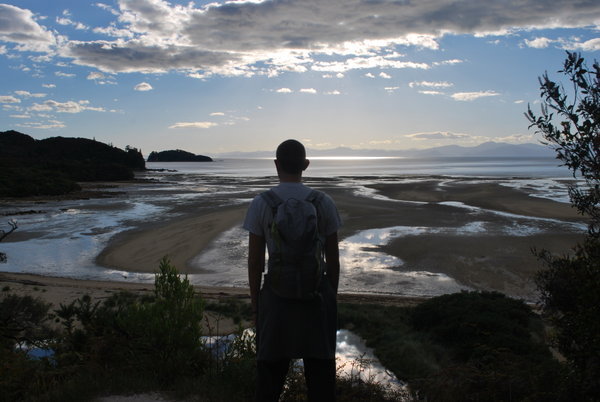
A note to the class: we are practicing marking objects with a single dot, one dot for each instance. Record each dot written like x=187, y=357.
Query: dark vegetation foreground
x=467, y=346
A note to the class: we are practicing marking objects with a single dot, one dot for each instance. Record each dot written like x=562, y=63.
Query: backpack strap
x=273, y=202
x=272, y=199
x=315, y=197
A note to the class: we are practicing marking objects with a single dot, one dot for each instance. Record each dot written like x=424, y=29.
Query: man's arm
x=256, y=264
x=332, y=258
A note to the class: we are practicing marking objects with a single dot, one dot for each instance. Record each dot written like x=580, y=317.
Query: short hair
x=291, y=156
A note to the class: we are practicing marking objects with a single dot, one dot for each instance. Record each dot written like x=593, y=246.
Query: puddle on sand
x=365, y=268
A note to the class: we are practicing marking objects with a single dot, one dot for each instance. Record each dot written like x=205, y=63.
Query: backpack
x=296, y=263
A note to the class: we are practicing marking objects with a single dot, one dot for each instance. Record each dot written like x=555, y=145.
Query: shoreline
x=487, y=261
x=58, y=290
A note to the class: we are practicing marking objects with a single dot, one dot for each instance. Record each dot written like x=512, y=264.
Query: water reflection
x=353, y=358
x=356, y=360
x=367, y=268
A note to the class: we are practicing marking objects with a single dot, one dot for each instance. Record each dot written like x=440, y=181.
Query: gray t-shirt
x=259, y=214
x=289, y=328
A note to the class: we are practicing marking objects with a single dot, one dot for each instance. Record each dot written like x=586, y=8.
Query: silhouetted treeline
x=53, y=166
x=177, y=155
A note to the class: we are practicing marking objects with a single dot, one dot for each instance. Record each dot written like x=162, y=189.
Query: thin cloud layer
x=195, y=124
x=470, y=96
x=271, y=37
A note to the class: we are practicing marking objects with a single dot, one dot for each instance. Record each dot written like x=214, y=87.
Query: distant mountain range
x=487, y=149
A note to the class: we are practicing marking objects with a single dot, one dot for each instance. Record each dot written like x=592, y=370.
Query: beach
x=494, y=260
x=404, y=237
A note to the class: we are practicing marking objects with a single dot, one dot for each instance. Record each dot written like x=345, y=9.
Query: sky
x=224, y=76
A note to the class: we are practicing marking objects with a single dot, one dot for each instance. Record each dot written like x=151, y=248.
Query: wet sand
x=499, y=261
x=181, y=239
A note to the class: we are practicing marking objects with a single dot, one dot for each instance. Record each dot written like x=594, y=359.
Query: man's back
x=289, y=327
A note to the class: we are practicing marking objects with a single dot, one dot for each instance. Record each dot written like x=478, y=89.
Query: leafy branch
x=576, y=135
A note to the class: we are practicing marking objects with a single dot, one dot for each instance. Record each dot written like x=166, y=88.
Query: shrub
x=464, y=346
x=160, y=336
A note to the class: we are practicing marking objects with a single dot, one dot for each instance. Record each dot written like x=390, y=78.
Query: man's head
x=291, y=157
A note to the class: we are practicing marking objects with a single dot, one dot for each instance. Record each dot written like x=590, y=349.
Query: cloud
x=268, y=38
x=518, y=139
x=437, y=135
x=384, y=75
x=27, y=94
x=64, y=107
x=334, y=92
x=9, y=99
x=284, y=91
x=573, y=44
x=197, y=124
x=43, y=125
x=591, y=45
x=143, y=86
x=69, y=22
x=429, y=84
x=18, y=26
x=357, y=63
x=49, y=85
x=538, y=43
x=217, y=114
x=106, y=7
x=381, y=142
x=446, y=62
x=470, y=96
x=66, y=75
x=308, y=91
x=245, y=38
x=431, y=92
x=95, y=75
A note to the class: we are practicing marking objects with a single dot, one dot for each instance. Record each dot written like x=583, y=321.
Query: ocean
x=379, y=166
x=63, y=237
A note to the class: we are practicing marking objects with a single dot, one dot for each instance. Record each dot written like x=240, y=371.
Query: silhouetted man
x=290, y=328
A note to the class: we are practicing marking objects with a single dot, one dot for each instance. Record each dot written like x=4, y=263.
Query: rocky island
x=177, y=155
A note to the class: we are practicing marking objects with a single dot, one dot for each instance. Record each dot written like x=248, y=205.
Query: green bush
x=160, y=335
x=464, y=346
x=23, y=324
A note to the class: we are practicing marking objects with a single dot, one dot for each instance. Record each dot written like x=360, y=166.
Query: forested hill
x=177, y=155
x=54, y=165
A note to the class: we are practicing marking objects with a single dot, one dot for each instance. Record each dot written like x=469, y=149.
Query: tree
x=576, y=138
x=570, y=285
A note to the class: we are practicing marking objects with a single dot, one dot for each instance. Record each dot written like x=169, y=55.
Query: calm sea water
x=384, y=166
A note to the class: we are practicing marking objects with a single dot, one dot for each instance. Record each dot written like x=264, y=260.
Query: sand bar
x=487, y=261
x=500, y=262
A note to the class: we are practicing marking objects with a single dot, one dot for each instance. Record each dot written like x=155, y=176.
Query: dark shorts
x=297, y=328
